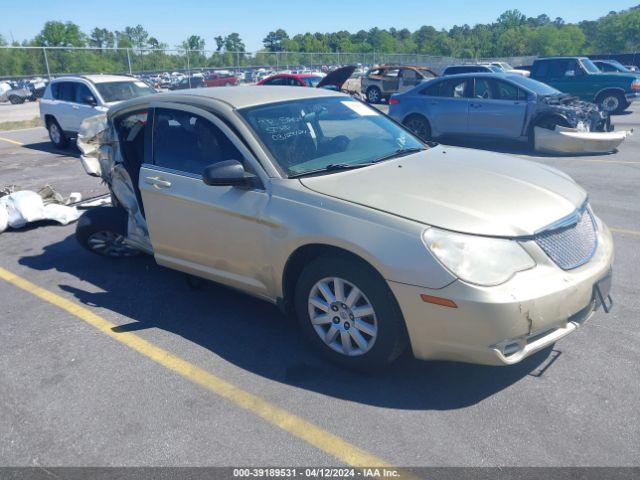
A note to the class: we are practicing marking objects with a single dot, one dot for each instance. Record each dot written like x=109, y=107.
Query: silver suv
x=381, y=82
x=67, y=101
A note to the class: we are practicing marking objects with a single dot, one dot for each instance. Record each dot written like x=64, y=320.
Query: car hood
x=460, y=189
x=337, y=78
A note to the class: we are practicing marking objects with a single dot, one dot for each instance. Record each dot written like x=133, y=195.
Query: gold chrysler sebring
x=374, y=240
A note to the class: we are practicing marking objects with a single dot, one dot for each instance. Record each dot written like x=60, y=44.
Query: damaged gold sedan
x=374, y=240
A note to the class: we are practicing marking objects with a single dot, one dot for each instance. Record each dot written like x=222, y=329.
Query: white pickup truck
x=67, y=101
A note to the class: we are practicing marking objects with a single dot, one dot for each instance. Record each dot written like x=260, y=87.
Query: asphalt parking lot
x=121, y=363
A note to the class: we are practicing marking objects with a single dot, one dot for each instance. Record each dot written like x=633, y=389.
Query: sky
x=172, y=21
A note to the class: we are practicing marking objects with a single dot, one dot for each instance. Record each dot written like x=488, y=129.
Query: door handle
x=157, y=182
x=75, y=107
x=476, y=105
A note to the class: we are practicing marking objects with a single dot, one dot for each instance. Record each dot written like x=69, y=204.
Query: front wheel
x=349, y=313
x=16, y=100
x=103, y=230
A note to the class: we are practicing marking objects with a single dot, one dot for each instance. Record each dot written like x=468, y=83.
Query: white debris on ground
x=18, y=208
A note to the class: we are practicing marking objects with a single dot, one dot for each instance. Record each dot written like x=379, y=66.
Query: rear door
x=390, y=81
x=498, y=108
x=211, y=231
x=447, y=105
x=82, y=107
x=408, y=79
x=65, y=96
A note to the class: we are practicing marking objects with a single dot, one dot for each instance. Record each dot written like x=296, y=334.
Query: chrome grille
x=570, y=246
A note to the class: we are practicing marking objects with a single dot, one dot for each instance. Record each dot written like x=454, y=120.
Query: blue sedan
x=491, y=105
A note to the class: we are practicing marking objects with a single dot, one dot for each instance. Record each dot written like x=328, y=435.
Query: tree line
x=512, y=34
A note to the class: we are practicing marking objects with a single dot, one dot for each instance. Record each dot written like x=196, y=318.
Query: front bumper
x=632, y=97
x=504, y=324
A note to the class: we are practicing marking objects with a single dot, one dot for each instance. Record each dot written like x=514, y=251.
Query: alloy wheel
x=110, y=244
x=342, y=316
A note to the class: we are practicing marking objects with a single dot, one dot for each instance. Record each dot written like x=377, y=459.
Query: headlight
x=479, y=260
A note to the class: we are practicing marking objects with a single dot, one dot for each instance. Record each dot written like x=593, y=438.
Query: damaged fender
x=101, y=157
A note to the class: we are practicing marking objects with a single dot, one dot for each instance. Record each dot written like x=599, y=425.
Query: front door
x=211, y=231
x=498, y=108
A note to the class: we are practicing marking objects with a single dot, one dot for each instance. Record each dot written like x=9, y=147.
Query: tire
x=56, y=134
x=374, y=95
x=612, y=102
x=16, y=100
x=418, y=125
x=102, y=231
x=369, y=342
x=545, y=122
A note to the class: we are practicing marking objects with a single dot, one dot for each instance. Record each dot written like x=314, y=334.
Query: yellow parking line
x=625, y=231
x=11, y=141
x=312, y=434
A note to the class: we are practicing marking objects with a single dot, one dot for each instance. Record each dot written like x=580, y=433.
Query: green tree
x=58, y=34
x=273, y=41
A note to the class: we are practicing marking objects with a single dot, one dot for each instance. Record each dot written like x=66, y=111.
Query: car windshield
x=535, y=86
x=496, y=68
x=316, y=134
x=619, y=66
x=124, y=90
x=589, y=66
x=312, y=81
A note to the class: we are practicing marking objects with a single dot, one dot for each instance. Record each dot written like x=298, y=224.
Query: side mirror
x=89, y=100
x=227, y=173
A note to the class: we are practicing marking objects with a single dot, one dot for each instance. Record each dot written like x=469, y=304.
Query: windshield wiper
x=401, y=152
x=332, y=167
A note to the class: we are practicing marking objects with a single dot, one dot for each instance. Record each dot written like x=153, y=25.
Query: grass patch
x=34, y=122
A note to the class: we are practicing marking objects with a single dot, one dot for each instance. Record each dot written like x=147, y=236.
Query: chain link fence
x=16, y=62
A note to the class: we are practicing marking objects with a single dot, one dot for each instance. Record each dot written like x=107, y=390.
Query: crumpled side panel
x=98, y=142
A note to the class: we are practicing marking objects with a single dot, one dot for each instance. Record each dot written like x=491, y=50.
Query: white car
x=67, y=101
x=509, y=69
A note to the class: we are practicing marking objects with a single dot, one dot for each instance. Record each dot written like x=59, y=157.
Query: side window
x=482, y=88
x=392, y=73
x=294, y=82
x=277, y=81
x=83, y=95
x=67, y=91
x=432, y=90
x=541, y=69
x=558, y=68
x=507, y=91
x=187, y=142
x=56, y=90
x=454, y=88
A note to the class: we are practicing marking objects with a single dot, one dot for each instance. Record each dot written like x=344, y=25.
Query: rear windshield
x=124, y=90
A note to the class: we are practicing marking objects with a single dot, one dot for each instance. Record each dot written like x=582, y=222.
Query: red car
x=334, y=79
x=219, y=80
x=293, y=79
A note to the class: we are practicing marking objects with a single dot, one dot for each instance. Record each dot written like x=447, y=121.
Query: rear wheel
x=349, y=313
x=418, y=125
x=56, y=135
x=374, y=95
x=612, y=102
x=15, y=99
x=103, y=230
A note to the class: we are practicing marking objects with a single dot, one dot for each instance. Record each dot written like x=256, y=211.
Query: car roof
x=239, y=97
x=97, y=78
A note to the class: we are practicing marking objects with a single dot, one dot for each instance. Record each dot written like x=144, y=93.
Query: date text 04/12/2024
x=316, y=472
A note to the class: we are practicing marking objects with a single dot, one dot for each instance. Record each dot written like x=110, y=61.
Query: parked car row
x=17, y=92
